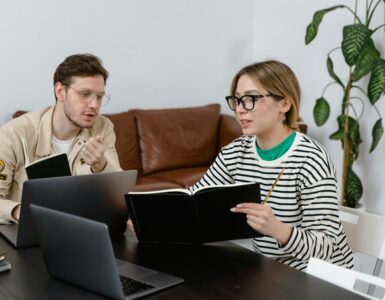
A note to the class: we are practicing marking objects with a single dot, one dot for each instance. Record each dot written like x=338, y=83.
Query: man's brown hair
x=82, y=65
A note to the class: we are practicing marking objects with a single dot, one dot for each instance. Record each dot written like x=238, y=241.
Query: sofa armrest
x=229, y=130
x=302, y=127
x=19, y=113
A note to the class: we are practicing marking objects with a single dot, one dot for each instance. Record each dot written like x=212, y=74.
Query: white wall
x=280, y=33
x=165, y=53
x=172, y=53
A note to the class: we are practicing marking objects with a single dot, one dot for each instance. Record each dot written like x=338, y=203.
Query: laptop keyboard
x=131, y=286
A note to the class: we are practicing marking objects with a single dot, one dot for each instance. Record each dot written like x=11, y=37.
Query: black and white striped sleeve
x=217, y=174
x=320, y=234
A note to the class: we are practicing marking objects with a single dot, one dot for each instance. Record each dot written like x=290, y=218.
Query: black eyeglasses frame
x=254, y=98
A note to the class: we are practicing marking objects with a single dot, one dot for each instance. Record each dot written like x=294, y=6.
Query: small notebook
x=53, y=166
x=178, y=216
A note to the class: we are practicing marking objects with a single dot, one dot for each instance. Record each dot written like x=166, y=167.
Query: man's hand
x=16, y=212
x=93, y=154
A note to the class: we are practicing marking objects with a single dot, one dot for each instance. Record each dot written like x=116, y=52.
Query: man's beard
x=77, y=124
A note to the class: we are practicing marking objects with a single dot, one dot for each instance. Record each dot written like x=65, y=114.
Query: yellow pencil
x=272, y=187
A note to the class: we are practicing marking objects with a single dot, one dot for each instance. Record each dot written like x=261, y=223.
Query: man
x=73, y=126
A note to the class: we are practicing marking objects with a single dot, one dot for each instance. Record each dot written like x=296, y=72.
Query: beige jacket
x=36, y=129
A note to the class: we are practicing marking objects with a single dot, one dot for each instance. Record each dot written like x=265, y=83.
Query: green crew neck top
x=277, y=151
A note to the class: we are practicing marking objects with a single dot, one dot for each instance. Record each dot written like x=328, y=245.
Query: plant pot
x=361, y=206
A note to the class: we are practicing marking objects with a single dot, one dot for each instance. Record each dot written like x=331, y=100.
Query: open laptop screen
x=99, y=197
x=83, y=256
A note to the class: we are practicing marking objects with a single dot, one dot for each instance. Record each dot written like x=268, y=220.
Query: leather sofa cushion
x=184, y=177
x=229, y=129
x=126, y=140
x=177, y=138
x=144, y=184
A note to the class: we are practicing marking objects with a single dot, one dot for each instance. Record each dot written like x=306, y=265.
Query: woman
x=300, y=218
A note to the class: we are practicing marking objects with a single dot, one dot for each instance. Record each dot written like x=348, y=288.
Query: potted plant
x=362, y=58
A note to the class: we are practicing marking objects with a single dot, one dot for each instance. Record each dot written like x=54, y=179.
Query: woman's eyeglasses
x=247, y=101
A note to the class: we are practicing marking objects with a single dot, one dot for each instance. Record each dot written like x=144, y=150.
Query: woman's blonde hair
x=277, y=79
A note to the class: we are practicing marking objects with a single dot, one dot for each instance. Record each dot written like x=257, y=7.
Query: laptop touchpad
x=130, y=270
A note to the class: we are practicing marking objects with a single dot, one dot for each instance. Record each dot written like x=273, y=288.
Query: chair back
x=342, y=277
x=365, y=231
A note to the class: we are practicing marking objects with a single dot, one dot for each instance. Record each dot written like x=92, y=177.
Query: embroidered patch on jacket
x=2, y=165
x=3, y=176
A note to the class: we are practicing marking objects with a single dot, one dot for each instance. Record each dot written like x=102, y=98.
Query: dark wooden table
x=214, y=271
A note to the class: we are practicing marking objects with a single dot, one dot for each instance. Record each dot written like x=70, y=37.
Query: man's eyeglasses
x=247, y=101
x=87, y=96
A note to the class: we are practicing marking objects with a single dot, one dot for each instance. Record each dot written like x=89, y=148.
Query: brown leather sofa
x=170, y=148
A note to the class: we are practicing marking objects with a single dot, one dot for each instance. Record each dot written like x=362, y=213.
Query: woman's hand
x=130, y=226
x=261, y=218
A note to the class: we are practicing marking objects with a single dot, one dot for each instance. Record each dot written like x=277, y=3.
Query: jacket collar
x=44, y=144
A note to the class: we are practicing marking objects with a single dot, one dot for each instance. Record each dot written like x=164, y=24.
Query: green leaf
x=353, y=188
x=365, y=60
x=330, y=66
x=321, y=111
x=355, y=38
x=377, y=81
x=312, y=28
x=377, y=132
x=354, y=136
x=338, y=135
x=354, y=131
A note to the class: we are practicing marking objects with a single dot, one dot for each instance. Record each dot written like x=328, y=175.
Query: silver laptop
x=79, y=251
x=98, y=197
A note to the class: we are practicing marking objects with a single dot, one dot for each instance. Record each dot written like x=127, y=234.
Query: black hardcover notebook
x=177, y=216
x=52, y=166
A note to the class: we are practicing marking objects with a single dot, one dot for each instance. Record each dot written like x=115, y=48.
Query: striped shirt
x=305, y=198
